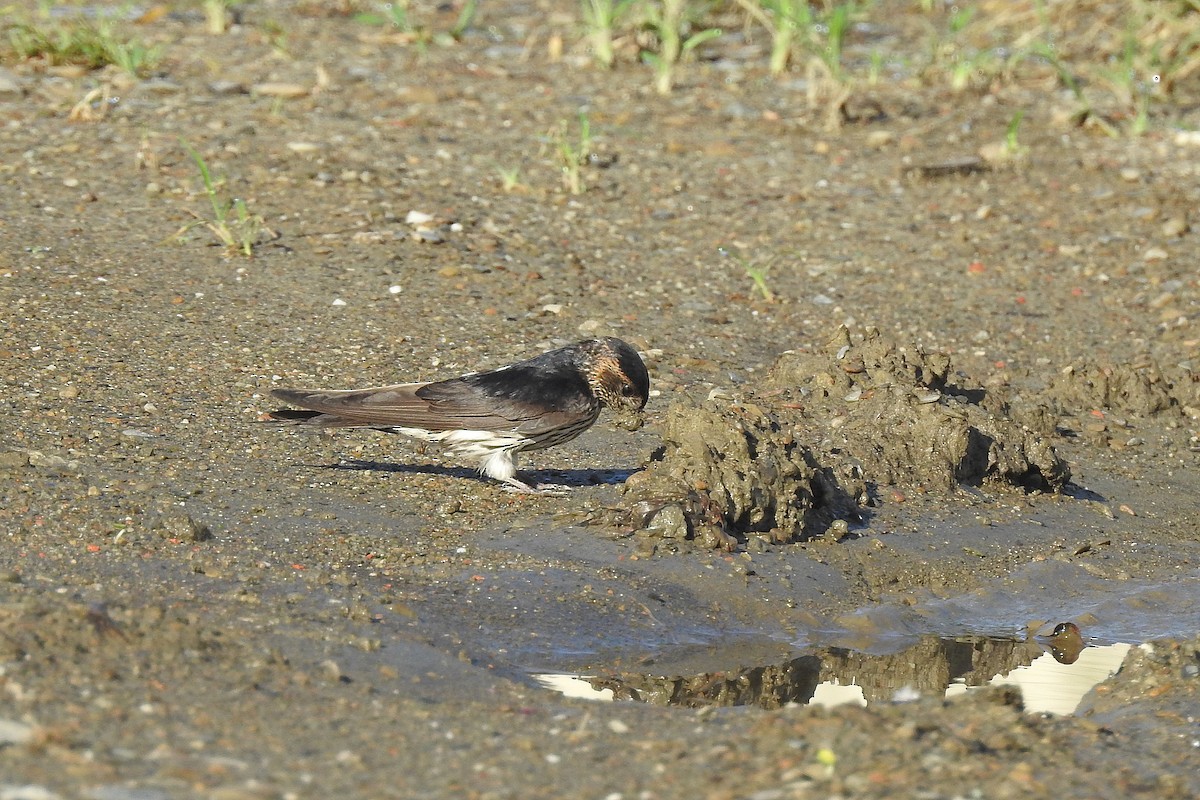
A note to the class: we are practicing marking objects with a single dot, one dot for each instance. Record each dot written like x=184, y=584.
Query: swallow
x=490, y=417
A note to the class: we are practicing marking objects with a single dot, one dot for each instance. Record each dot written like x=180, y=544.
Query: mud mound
x=802, y=455
x=892, y=411
x=736, y=469
x=1138, y=389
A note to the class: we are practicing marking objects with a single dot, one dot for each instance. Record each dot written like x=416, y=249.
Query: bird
x=491, y=416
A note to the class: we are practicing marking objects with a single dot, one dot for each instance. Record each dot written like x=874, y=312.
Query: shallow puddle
x=1053, y=673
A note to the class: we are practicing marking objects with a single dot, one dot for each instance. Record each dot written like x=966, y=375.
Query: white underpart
x=495, y=452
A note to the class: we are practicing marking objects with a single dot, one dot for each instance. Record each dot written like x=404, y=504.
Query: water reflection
x=1054, y=671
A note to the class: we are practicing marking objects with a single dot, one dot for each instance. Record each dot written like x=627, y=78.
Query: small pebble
x=430, y=236
x=879, y=139
x=590, y=326
x=1175, y=226
x=160, y=86
x=226, y=87
x=330, y=670
x=286, y=90
x=1163, y=300
x=10, y=85
x=27, y=792
x=13, y=732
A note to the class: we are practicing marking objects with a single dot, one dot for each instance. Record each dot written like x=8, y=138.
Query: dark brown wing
x=446, y=405
x=466, y=404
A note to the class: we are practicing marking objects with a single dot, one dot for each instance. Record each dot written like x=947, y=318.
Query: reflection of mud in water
x=930, y=667
x=805, y=455
x=769, y=686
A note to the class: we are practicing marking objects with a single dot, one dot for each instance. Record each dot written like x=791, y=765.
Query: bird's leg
x=502, y=466
x=516, y=485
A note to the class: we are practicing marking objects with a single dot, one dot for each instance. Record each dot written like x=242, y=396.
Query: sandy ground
x=197, y=604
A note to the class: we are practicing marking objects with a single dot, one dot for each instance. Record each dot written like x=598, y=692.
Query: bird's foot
x=519, y=486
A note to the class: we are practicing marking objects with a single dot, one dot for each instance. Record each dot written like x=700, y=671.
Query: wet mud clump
x=730, y=469
x=1141, y=388
x=803, y=455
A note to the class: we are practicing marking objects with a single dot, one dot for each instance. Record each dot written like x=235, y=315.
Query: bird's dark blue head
x=618, y=378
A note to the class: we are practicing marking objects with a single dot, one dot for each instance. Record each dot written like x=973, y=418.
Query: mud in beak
x=628, y=419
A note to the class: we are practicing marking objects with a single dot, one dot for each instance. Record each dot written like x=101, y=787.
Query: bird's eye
x=629, y=390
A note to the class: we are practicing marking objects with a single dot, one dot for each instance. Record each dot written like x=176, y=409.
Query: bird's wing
x=446, y=405
x=468, y=404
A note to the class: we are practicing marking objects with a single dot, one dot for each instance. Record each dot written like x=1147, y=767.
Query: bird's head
x=619, y=380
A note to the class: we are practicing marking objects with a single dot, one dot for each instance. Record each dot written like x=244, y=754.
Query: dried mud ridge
x=809, y=453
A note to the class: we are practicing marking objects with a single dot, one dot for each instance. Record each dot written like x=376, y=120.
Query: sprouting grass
x=232, y=223
x=510, y=178
x=1131, y=80
x=794, y=25
x=953, y=55
x=668, y=19
x=1117, y=59
x=276, y=36
x=784, y=21
x=876, y=67
x=836, y=25
x=1012, y=144
x=134, y=57
x=88, y=43
x=601, y=19
x=758, y=274
x=573, y=152
x=394, y=14
x=466, y=18
x=397, y=15
x=1042, y=49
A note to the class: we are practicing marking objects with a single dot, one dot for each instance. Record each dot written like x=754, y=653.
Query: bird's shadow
x=555, y=477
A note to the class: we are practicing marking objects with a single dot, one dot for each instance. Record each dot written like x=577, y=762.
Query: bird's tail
x=296, y=416
x=312, y=419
